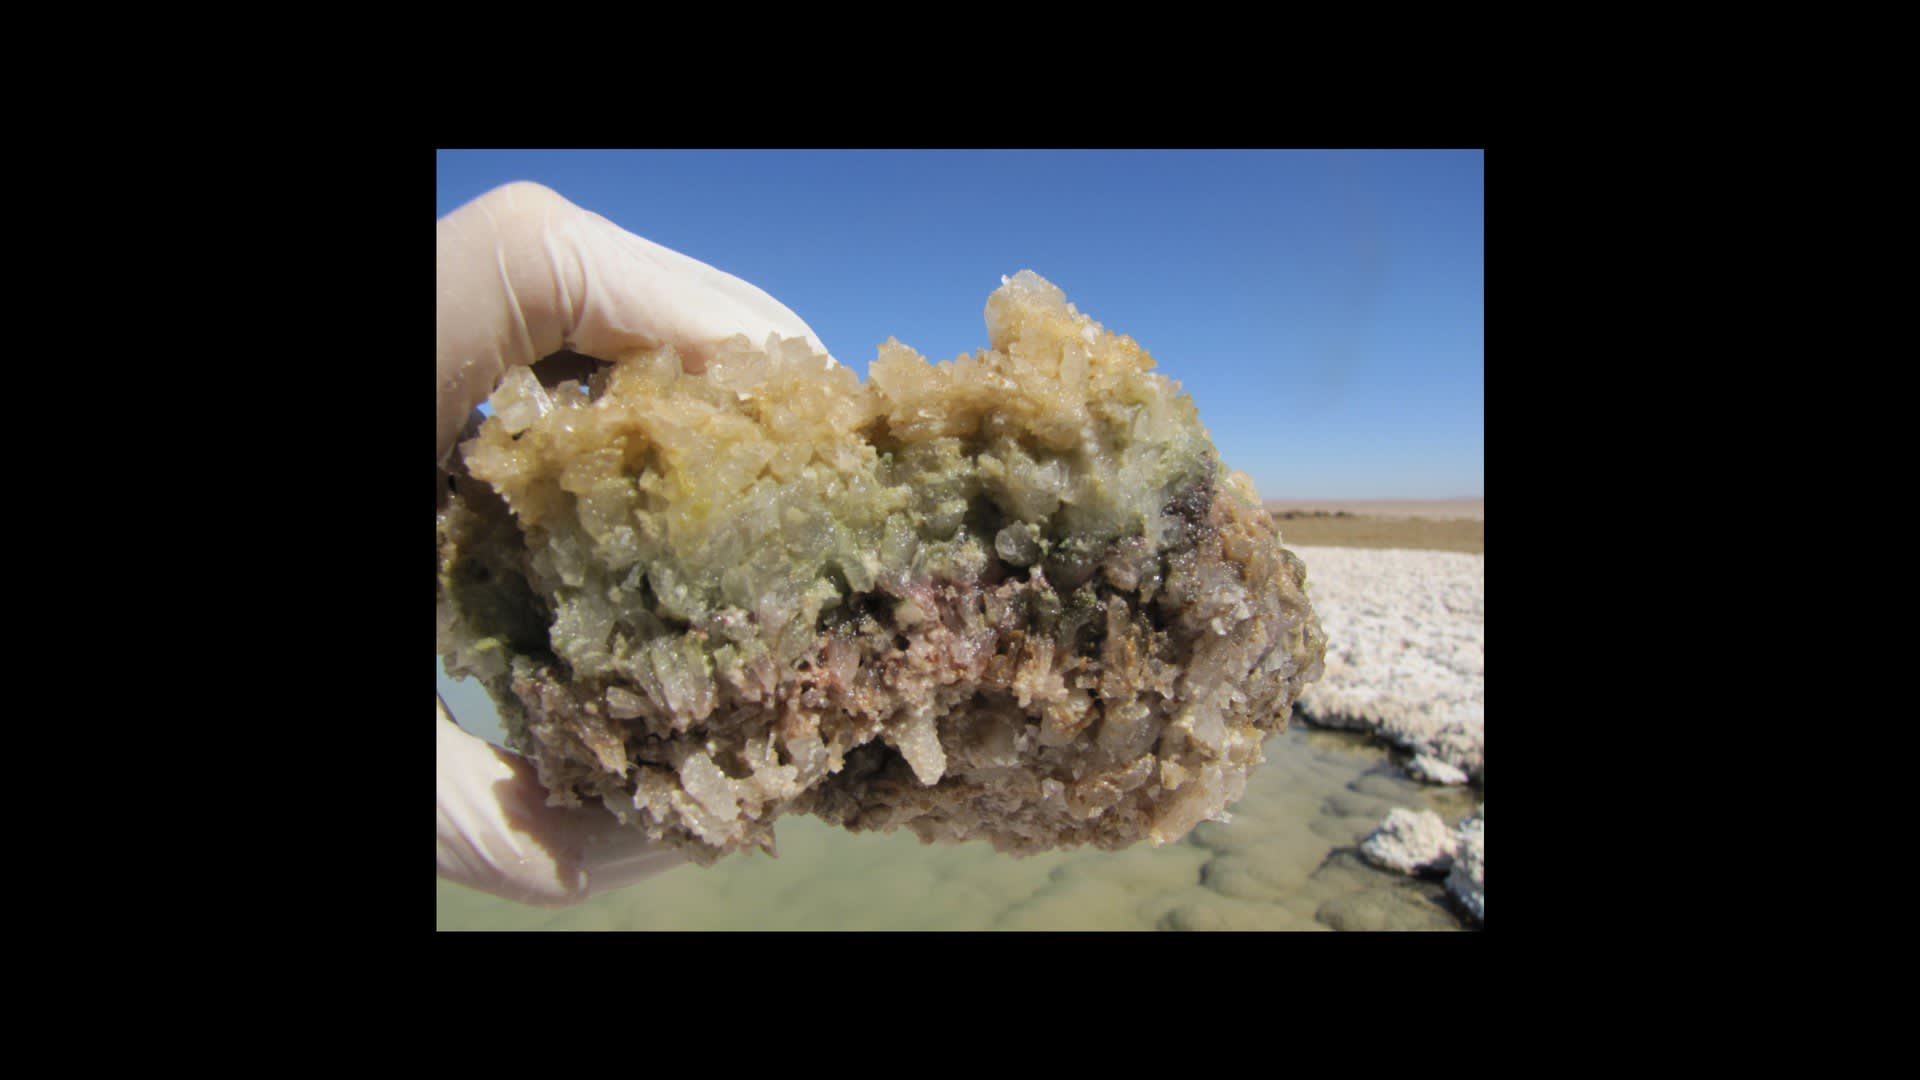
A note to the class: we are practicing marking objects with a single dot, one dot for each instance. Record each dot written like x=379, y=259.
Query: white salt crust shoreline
x=1406, y=640
x=1406, y=662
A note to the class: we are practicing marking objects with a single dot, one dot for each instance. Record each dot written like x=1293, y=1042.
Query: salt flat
x=1406, y=654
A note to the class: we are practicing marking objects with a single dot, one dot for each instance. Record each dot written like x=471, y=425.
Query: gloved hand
x=523, y=274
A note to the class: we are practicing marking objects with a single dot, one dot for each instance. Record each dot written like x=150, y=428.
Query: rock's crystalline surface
x=1013, y=597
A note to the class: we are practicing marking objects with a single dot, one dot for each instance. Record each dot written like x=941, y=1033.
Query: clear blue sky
x=1325, y=310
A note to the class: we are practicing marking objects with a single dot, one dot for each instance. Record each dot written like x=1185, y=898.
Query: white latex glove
x=497, y=833
x=523, y=274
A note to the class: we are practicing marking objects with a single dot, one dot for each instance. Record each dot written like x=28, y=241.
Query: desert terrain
x=1419, y=525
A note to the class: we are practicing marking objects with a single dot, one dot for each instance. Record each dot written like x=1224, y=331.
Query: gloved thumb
x=497, y=834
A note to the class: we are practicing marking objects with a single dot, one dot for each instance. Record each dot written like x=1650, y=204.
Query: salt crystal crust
x=1013, y=597
x=1435, y=771
x=1410, y=663
x=1468, y=879
x=1411, y=842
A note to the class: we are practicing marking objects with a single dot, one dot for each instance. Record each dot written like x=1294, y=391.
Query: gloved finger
x=675, y=299
x=496, y=833
x=523, y=273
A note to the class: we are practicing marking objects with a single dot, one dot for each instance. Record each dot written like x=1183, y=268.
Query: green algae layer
x=1014, y=596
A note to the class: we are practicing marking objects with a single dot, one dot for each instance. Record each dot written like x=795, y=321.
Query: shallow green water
x=1285, y=862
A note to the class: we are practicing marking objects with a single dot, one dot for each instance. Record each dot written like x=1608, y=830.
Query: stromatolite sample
x=1014, y=596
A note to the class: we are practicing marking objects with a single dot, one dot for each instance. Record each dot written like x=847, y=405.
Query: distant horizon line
x=1373, y=498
